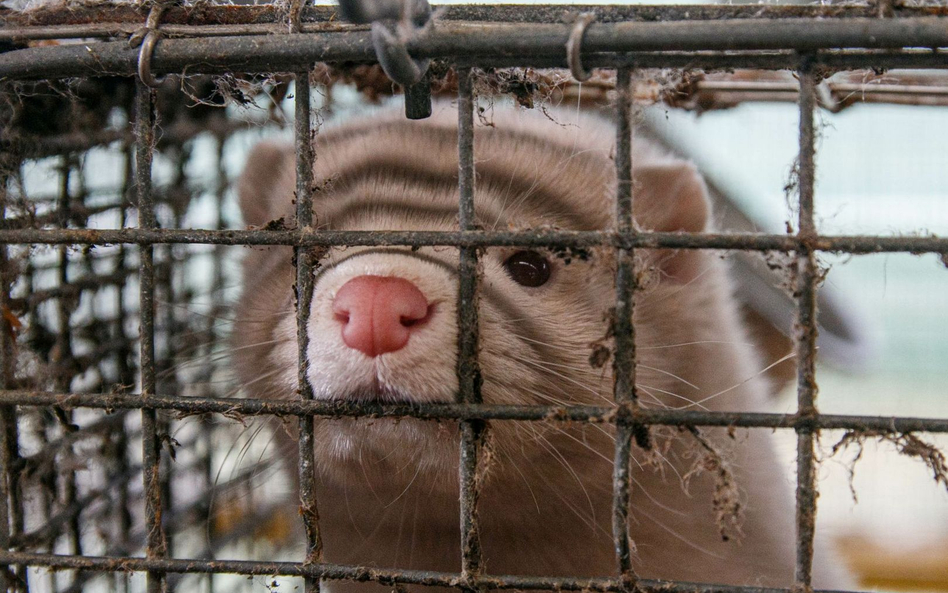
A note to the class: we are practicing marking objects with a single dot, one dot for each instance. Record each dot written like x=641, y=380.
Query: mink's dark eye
x=528, y=268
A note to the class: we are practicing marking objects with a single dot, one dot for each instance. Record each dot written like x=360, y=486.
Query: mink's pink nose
x=379, y=313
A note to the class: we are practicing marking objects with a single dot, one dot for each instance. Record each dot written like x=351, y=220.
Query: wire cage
x=114, y=255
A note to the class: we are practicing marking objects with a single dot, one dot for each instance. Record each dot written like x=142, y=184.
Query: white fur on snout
x=422, y=371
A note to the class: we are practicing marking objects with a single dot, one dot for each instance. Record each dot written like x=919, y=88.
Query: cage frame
x=803, y=39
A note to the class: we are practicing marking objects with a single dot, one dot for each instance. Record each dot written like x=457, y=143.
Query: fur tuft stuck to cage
x=151, y=442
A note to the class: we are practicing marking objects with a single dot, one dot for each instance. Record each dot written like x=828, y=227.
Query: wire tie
x=574, y=45
x=148, y=38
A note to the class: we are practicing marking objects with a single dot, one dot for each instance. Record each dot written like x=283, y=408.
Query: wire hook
x=148, y=38
x=574, y=45
x=394, y=23
x=392, y=54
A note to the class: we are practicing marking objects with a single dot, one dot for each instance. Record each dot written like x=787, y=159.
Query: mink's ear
x=672, y=197
x=265, y=187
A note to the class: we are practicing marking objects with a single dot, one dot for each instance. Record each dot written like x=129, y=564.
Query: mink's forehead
x=522, y=180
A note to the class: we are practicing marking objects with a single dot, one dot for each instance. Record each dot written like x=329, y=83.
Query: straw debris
x=905, y=443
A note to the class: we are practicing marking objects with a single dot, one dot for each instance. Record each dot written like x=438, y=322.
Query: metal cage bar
x=624, y=333
x=807, y=276
x=58, y=23
x=456, y=411
x=529, y=44
x=156, y=545
x=387, y=577
x=217, y=289
x=858, y=244
x=13, y=577
x=168, y=326
x=774, y=44
x=62, y=380
x=125, y=374
x=472, y=431
x=304, y=296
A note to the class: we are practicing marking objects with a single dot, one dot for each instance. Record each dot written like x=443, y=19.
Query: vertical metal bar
x=468, y=370
x=806, y=333
x=74, y=210
x=418, y=99
x=11, y=515
x=165, y=358
x=125, y=373
x=123, y=379
x=63, y=375
x=304, y=296
x=155, y=544
x=624, y=332
x=42, y=499
x=217, y=289
x=123, y=515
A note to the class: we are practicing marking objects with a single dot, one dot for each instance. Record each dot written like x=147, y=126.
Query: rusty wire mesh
x=104, y=381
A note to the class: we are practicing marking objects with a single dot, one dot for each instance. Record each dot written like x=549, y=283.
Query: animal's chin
x=382, y=394
x=388, y=450
x=385, y=451
x=375, y=387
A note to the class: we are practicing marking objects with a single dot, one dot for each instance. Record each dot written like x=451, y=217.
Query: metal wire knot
x=394, y=22
x=390, y=49
x=574, y=45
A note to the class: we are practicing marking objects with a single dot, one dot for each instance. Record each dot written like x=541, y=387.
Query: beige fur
x=388, y=489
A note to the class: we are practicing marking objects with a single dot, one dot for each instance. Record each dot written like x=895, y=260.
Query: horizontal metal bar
x=749, y=86
x=47, y=455
x=387, y=577
x=726, y=60
x=118, y=29
x=194, y=512
x=722, y=91
x=75, y=288
x=111, y=21
x=52, y=527
x=526, y=42
x=176, y=132
x=233, y=407
x=687, y=35
x=92, y=21
x=251, y=20
x=858, y=244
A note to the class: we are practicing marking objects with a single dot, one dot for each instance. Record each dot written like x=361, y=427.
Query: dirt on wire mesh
x=84, y=106
x=726, y=502
x=48, y=118
x=905, y=443
x=529, y=87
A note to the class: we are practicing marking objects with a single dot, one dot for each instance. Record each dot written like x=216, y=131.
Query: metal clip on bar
x=574, y=45
x=148, y=37
x=394, y=22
